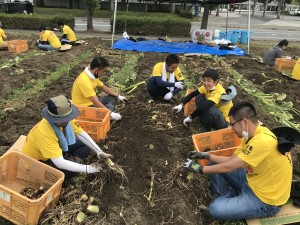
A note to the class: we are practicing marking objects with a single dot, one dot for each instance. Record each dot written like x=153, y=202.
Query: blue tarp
x=173, y=47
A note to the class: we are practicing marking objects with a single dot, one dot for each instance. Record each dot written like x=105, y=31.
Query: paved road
x=263, y=28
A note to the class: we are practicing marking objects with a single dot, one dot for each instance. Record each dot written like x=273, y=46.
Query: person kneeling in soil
x=275, y=52
x=256, y=180
x=84, y=88
x=213, y=103
x=3, y=44
x=58, y=135
x=48, y=40
x=167, y=79
x=68, y=36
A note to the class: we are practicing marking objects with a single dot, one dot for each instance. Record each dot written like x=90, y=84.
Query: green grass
x=98, y=13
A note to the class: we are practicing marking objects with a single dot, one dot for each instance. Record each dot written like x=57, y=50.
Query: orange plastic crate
x=221, y=142
x=94, y=121
x=190, y=106
x=17, y=46
x=282, y=64
x=19, y=171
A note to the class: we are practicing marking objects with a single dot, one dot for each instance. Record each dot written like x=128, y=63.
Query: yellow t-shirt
x=158, y=71
x=69, y=32
x=215, y=96
x=2, y=36
x=269, y=172
x=83, y=88
x=42, y=142
x=51, y=37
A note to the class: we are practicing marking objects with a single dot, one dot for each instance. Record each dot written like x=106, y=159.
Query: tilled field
x=140, y=142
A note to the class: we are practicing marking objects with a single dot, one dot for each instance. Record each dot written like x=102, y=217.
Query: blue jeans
x=109, y=102
x=235, y=199
x=211, y=118
x=155, y=90
x=47, y=47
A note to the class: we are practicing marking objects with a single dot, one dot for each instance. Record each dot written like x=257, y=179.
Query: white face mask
x=245, y=134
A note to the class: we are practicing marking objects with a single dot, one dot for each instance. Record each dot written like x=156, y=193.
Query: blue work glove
x=198, y=155
x=192, y=166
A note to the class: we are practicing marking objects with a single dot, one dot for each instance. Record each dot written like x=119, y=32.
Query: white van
x=294, y=12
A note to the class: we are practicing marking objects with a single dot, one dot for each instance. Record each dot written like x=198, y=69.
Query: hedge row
x=186, y=14
x=33, y=22
x=153, y=26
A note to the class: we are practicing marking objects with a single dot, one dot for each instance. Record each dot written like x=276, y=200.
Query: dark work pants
x=155, y=90
x=109, y=102
x=79, y=149
x=211, y=118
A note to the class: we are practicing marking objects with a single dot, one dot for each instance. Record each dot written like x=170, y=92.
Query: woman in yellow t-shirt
x=48, y=40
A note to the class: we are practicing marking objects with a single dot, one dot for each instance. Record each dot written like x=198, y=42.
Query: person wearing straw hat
x=68, y=36
x=213, y=103
x=58, y=135
x=48, y=40
x=3, y=44
x=256, y=180
x=167, y=79
x=84, y=90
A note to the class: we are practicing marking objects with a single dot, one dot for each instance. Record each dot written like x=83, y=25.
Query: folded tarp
x=173, y=47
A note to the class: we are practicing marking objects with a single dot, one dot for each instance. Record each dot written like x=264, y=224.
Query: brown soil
x=137, y=142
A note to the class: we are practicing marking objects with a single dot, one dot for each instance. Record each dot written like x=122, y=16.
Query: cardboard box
x=287, y=215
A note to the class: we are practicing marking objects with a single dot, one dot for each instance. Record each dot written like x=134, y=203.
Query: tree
x=70, y=5
x=265, y=6
x=41, y=3
x=205, y=16
x=279, y=6
x=91, y=6
x=254, y=7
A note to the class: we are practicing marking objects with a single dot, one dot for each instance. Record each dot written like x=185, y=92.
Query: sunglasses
x=232, y=124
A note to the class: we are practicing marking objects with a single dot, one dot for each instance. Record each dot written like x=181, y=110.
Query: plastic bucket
x=228, y=35
x=222, y=35
x=234, y=37
x=244, y=36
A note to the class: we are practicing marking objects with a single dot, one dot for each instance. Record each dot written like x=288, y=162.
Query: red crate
x=17, y=46
x=19, y=171
x=190, y=106
x=94, y=121
x=221, y=142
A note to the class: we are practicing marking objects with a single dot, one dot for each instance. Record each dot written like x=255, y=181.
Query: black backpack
x=295, y=193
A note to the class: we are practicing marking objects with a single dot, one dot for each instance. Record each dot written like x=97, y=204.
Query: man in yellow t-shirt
x=48, y=40
x=256, y=180
x=58, y=135
x=3, y=44
x=84, y=90
x=212, y=103
x=68, y=36
x=167, y=79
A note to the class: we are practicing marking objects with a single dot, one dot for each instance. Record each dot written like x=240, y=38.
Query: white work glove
x=168, y=96
x=103, y=155
x=178, y=108
x=122, y=98
x=93, y=168
x=115, y=116
x=187, y=120
x=179, y=85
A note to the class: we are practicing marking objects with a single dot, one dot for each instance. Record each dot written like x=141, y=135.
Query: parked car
x=294, y=12
x=16, y=7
